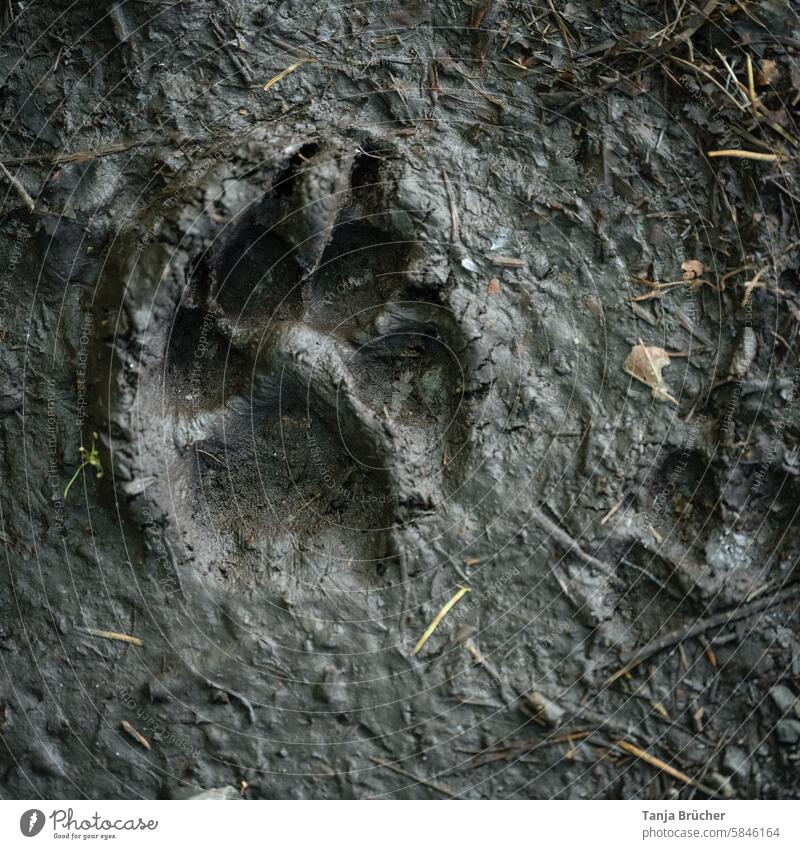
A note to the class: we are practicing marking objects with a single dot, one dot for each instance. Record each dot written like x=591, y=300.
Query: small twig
x=718, y=620
x=524, y=747
x=18, y=188
x=562, y=26
x=708, y=76
x=283, y=45
x=612, y=511
x=455, y=228
x=687, y=324
x=570, y=544
x=753, y=283
x=241, y=64
x=496, y=676
x=440, y=788
x=645, y=572
x=80, y=155
x=736, y=82
x=663, y=766
x=656, y=289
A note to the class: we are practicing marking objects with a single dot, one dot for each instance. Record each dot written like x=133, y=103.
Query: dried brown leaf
x=645, y=363
x=768, y=72
x=692, y=269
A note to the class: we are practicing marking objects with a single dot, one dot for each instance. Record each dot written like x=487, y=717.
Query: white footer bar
x=411, y=825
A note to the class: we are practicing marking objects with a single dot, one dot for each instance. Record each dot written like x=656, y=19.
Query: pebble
x=788, y=731
x=784, y=698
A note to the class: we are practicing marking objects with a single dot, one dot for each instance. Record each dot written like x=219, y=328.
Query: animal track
x=312, y=385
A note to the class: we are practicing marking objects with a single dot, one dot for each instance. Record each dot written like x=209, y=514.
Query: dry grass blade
x=751, y=84
x=699, y=70
x=434, y=785
x=748, y=154
x=663, y=766
x=286, y=71
x=520, y=748
x=739, y=87
x=462, y=591
x=112, y=635
x=562, y=26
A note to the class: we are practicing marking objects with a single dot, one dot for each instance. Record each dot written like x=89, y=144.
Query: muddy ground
x=354, y=307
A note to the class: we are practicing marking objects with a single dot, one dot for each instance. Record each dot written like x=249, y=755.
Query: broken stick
x=718, y=620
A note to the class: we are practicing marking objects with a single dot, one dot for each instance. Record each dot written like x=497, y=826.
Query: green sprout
x=90, y=458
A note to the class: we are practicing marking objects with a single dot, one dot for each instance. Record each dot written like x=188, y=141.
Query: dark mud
x=355, y=339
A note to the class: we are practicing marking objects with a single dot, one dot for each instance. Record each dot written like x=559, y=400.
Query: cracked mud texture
x=326, y=398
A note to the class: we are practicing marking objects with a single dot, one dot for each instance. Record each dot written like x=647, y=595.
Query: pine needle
x=663, y=766
x=462, y=591
x=112, y=635
x=751, y=85
x=140, y=738
x=286, y=71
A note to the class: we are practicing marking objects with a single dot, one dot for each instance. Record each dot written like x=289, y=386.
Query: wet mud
x=337, y=301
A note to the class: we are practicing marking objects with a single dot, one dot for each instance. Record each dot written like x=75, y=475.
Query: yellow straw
x=462, y=591
x=285, y=72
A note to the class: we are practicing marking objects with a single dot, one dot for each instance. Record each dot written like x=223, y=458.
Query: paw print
x=311, y=385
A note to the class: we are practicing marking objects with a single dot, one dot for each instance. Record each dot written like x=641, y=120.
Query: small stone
x=545, y=708
x=219, y=697
x=541, y=264
x=736, y=761
x=744, y=352
x=562, y=365
x=331, y=692
x=722, y=783
x=783, y=697
x=788, y=731
x=157, y=691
